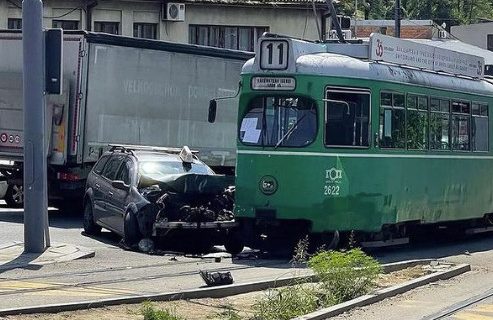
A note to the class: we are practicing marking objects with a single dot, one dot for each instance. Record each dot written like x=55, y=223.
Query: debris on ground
x=216, y=278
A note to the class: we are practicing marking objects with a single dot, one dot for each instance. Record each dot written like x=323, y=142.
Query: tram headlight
x=268, y=185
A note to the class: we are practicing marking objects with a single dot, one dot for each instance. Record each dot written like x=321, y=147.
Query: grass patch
x=286, y=303
x=228, y=314
x=149, y=311
x=345, y=275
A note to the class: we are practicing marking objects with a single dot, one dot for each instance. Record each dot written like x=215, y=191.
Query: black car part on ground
x=216, y=278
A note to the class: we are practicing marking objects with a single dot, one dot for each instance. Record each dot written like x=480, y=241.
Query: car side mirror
x=118, y=184
x=212, y=111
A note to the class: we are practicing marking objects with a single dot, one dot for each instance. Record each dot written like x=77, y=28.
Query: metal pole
x=397, y=31
x=35, y=170
x=356, y=19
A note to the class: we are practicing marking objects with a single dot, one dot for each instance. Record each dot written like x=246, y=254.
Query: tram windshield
x=279, y=122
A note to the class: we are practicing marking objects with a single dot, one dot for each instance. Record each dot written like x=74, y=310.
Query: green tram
x=333, y=143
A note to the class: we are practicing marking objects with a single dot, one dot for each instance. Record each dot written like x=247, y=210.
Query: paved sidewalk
x=12, y=255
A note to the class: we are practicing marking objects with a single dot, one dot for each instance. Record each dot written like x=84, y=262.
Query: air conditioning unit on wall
x=173, y=11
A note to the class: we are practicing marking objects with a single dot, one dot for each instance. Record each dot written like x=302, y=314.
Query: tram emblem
x=333, y=174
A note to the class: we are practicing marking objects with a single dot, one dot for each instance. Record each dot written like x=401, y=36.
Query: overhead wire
x=50, y=17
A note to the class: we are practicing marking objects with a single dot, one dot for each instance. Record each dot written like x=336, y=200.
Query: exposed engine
x=194, y=207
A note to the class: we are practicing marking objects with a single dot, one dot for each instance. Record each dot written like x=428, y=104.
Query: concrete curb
x=207, y=292
x=58, y=252
x=385, y=293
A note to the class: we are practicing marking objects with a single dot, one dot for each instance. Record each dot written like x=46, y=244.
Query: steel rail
x=57, y=286
x=459, y=306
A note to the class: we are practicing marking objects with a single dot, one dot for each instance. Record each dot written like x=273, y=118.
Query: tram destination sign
x=404, y=52
x=273, y=83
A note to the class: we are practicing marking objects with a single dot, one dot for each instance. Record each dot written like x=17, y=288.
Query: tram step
x=386, y=243
x=472, y=231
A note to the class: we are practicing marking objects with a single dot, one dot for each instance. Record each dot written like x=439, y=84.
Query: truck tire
x=90, y=227
x=234, y=243
x=14, y=197
x=131, y=232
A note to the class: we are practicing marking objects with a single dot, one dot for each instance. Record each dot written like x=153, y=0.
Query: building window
x=229, y=37
x=107, y=27
x=66, y=24
x=14, y=24
x=490, y=42
x=145, y=30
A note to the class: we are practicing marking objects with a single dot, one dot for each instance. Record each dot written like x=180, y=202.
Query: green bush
x=345, y=275
x=286, y=303
x=151, y=313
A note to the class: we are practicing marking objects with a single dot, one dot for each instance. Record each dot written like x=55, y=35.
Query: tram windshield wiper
x=291, y=130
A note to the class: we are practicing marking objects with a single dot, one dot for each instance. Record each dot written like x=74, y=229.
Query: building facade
x=410, y=29
x=479, y=34
x=234, y=24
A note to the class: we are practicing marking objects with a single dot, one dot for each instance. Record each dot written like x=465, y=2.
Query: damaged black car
x=146, y=194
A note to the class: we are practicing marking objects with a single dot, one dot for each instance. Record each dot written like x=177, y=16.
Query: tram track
x=102, y=270
x=162, y=275
x=449, y=311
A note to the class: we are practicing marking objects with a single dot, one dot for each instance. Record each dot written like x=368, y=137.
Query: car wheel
x=14, y=197
x=90, y=227
x=131, y=232
x=234, y=243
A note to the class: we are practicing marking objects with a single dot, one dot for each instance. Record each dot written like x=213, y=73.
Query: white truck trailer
x=120, y=90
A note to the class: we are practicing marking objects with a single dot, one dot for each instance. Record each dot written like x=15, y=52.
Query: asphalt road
x=114, y=272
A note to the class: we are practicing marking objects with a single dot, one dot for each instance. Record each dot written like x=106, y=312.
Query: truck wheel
x=90, y=227
x=131, y=232
x=234, y=243
x=14, y=197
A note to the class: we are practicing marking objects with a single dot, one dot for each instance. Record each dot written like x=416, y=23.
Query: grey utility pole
x=397, y=31
x=35, y=170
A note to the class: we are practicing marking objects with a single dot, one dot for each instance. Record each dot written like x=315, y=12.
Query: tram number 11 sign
x=274, y=54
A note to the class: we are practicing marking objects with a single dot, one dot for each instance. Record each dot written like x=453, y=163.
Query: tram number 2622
x=331, y=190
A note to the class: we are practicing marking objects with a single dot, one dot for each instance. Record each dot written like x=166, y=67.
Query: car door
x=94, y=182
x=118, y=198
x=108, y=175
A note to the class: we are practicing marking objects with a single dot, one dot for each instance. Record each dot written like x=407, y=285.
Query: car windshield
x=279, y=121
x=158, y=169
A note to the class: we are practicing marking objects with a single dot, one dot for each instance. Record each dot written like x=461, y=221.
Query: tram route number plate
x=274, y=54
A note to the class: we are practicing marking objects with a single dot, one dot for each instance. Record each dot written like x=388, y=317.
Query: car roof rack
x=130, y=148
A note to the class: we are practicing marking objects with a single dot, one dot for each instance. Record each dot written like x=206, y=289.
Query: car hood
x=190, y=183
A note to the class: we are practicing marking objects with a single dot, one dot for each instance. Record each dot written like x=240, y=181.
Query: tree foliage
x=452, y=12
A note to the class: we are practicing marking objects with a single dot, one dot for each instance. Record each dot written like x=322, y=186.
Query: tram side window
x=392, y=120
x=479, y=132
x=439, y=124
x=347, y=118
x=461, y=118
x=417, y=122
